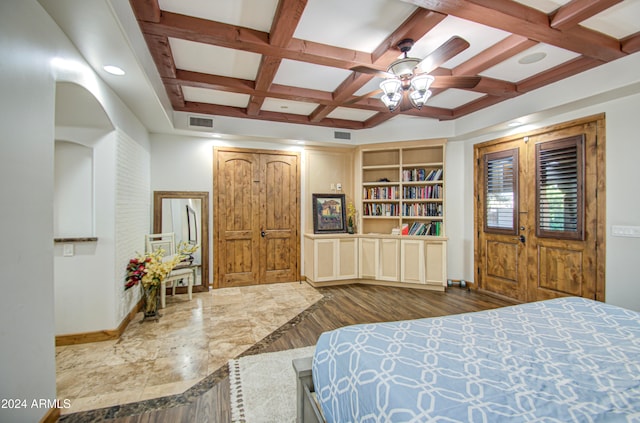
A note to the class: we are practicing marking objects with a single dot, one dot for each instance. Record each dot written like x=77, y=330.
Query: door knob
x=521, y=238
x=263, y=234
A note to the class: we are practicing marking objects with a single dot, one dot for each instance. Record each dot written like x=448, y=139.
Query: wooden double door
x=256, y=215
x=540, y=203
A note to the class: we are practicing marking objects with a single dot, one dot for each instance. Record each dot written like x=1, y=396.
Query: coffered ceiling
x=313, y=62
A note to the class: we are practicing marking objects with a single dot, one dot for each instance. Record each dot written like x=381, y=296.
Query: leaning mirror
x=186, y=214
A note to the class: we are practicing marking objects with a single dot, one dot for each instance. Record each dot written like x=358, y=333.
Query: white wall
x=27, y=366
x=73, y=190
x=29, y=44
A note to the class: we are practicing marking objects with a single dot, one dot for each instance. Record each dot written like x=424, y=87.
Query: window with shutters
x=501, y=192
x=559, y=188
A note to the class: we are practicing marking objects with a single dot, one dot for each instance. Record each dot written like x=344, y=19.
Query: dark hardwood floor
x=341, y=306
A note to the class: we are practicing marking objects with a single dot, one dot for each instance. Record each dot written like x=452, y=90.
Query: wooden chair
x=167, y=242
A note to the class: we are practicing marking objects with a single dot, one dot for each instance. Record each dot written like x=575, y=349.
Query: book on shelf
x=420, y=175
x=422, y=228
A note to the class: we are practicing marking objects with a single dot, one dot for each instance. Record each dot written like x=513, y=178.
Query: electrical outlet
x=67, y=250
x=627, y=231
x=333, y=187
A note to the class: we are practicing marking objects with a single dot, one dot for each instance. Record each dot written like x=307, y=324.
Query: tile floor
x=191, y=340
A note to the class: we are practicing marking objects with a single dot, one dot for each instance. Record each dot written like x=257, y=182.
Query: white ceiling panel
x=203, y=95
x=372, y=85
x=306, y=75
x=353, y=24
x=619, y=21
x=288, y=106
x=255, y=14
x=351, y=114
x=513, y=71
x=205, y=58
x=452, y=98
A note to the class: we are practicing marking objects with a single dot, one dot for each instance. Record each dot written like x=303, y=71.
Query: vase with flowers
x=351, y=216
x=148, y=271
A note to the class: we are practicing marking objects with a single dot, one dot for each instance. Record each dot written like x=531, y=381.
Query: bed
x=560, y=360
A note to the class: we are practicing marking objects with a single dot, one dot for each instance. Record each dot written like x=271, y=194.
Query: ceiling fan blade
x=451, y=48
x=371, y=71
x=455, y=81
x=363, y=96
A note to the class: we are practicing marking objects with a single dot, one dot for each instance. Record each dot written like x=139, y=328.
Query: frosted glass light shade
x=391, y=101
x=421, y=82
x=390, y=86
x=418, y=98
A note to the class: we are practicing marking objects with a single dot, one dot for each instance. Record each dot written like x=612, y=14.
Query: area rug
x=263, y=387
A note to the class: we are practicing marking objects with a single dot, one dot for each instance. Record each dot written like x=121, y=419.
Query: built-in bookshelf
x=403, y=187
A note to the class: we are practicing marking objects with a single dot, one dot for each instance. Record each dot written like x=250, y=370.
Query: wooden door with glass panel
x=539, y=214
x=501, y=235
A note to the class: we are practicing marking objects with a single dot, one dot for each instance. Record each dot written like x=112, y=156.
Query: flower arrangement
x=351, y=214
x=149, y=269
x=184, y=248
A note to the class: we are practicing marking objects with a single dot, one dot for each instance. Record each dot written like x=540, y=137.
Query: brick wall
x=132, y=214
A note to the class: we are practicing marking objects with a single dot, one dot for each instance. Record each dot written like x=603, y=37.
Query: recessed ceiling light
x=113, y=70
x=532, y=58
x=514, y=124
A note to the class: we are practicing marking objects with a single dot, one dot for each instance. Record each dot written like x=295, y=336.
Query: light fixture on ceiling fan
x=404, y=79
x=410, y=75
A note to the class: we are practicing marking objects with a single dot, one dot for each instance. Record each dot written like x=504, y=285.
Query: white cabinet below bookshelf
x=331, y=259
x=376, y=259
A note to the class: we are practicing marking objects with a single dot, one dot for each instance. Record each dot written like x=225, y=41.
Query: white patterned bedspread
x=561, y=360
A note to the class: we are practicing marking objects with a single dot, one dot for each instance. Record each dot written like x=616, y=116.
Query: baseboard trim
x=99, y=336
x=428, y=287
x=52, y=416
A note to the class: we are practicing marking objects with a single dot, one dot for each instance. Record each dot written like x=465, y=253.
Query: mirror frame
x=203, y=196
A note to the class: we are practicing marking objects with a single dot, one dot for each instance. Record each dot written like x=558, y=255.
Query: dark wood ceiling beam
x=213, y=109
x=146, y=10
x=576, y=11
x=173, y=25
x=243, y=86
x=161, y=53
x=631, y=44
x=176, y=96
x=494, y=55
x=377, y=119
x=415, y=27
x=496, y=87
x=285, y=21
x=283, y=26
x=533, y=24
x=266, y=73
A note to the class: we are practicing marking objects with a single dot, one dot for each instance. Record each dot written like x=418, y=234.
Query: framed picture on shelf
x=329, y=214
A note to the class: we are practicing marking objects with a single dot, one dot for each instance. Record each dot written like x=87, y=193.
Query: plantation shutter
x=501, y=195
x=559, y=188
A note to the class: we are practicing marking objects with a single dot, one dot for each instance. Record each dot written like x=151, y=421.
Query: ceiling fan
x=410, y=75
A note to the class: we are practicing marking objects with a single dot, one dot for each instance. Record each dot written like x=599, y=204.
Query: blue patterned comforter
x=561, y=360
